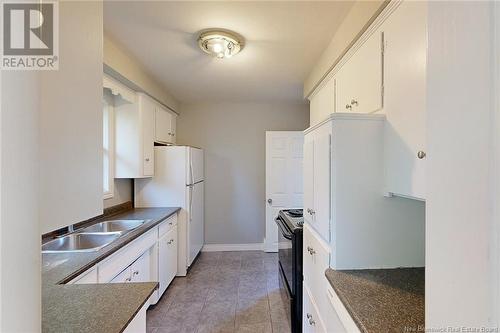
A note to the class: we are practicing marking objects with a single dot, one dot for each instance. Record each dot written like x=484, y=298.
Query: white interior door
x=284, y=189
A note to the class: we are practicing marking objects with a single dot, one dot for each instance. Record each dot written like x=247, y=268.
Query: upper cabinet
x=359, y=80
x=165, y=125
x=385, y=72
x=323, y=102
x=134, y=138
x=405, y=35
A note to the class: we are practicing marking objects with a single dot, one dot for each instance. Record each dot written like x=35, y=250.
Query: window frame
x=108, y=108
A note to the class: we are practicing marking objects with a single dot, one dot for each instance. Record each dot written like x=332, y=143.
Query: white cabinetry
x=323, y=102
x=88, y=277
x=311, y=321
x=165, y=125
x=167, y=259
x=134, y=138
x=359, y=80
x=405, y=34
x=317, y=180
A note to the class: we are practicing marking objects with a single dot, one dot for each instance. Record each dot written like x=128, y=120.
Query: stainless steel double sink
x=92, y=238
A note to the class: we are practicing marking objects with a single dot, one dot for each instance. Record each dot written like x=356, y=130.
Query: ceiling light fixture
x=220, y=43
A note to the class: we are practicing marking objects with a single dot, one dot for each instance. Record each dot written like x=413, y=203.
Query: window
x=107, y=145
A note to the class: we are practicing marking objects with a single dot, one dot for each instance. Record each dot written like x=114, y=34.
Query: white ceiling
x=283, y=41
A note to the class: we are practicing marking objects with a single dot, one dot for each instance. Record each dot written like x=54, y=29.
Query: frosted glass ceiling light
x=220, y=43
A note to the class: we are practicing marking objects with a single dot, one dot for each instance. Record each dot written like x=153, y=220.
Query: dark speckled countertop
x=382, y=300
x=94, y=308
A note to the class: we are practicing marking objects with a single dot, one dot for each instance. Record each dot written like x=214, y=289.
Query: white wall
x=20, y=297
x=459, y=288
x=123, y=192
x=71, y=121
x=233, y=136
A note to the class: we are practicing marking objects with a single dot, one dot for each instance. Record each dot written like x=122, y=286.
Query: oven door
x=286, y=253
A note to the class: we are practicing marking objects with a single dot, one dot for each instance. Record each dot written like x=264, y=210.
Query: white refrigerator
x=178, y=181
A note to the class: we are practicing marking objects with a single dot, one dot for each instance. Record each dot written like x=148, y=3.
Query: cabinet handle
x=173, y=134
x=309, y=316
x=170, y=223
x=421, y=154
x=348, y=106
x=128, y=279
x=354, y=102
x=312, y=322
x=310, y=250
x=309, y=210
x=170, y=241
x=135, y=273
x=147, y=159
x=170, y=134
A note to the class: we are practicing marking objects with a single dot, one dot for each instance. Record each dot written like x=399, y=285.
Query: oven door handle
x=282, y=228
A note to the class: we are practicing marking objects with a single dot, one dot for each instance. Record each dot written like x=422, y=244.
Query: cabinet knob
x=147, y=159
x=270, y=201
x=421, y=154
x=348, y=106
x=170, y=134
x=354, y=102
x=173, y=134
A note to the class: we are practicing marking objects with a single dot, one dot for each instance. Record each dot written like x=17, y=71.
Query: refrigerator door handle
x=190, y=202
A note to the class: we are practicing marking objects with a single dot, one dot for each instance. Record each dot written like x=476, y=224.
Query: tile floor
x=223, y=292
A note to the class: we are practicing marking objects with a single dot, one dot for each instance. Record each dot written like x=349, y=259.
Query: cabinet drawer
x=167, y=225
x=311, y=321
x=344, y=318
x=315, y=262
x=88, y=277
x=124, y=257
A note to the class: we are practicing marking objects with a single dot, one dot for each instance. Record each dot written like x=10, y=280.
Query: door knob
x=270, y=201
x=421, y=154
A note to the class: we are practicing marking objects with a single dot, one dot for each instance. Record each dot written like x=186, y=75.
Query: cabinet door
x=163, y=130
x=163, y=265
x=308, y=180
x=311, y=321
x=359, y=81
x=323, y=103
x=148, y=133
x=171, y=254
x=405, y=99
x=140, y=269
x=123, y=277
x=321, y=181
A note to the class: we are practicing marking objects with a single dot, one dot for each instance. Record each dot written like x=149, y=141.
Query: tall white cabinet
x=364, y=162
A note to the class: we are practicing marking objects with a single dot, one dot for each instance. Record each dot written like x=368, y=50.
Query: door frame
x=269, y=245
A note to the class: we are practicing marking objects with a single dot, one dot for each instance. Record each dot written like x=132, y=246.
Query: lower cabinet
x=152, y=257
x=167, y=259
x=311, y=322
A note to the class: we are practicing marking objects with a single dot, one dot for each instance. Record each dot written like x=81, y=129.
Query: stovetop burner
x=295, y=212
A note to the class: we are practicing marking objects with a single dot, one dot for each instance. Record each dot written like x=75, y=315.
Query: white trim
x=347, y=116
x=232, y=247
x=118, y=89
x=110, y=193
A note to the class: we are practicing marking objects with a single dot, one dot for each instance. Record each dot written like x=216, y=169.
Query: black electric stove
x=290, y=222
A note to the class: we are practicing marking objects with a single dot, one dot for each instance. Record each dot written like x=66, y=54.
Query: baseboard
x=232, y=247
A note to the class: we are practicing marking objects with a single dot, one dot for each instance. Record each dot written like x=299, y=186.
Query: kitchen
x=154, y=180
